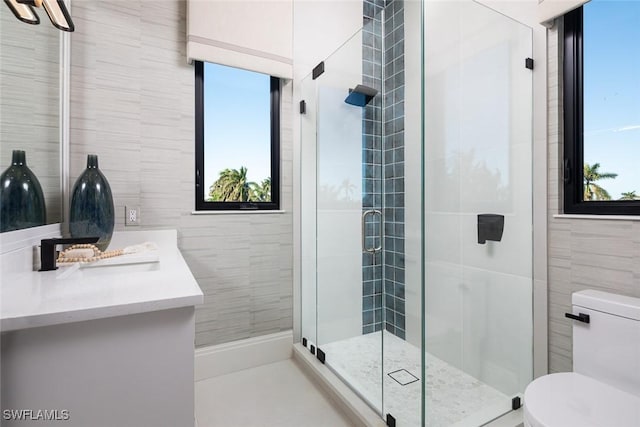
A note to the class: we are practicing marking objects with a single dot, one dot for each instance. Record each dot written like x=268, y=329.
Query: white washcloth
x=143, y=247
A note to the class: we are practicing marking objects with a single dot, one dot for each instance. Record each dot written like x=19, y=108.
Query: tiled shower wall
x=393, y=166
x=372, y=163
x=384, y=169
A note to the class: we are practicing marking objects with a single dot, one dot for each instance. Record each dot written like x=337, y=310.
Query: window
x=237, y=139
x=602, y=108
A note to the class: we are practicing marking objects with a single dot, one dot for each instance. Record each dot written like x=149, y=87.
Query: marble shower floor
x=453, y=398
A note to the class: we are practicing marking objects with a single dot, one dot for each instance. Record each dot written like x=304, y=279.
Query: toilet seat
x=570, y=399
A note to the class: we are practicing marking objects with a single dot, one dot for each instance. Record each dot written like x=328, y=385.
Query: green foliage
x=593, y=191
x=629, y=195
x=261, y=192
x=233, y=186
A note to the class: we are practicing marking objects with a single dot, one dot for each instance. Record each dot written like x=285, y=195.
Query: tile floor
x=274, y=395
x=454, y=398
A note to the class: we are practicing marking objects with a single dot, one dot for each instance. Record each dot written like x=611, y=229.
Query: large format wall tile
x=132, y=103
x=582, y=253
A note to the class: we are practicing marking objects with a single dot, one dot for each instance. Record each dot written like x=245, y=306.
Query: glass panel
x=402, y=193
x=308, y=203
x=349, y=299
x=478, y=136
x=364, y=214
x=611, y=101
x=237, y=135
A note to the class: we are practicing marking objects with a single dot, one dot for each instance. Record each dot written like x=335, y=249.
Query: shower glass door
x=367, y=271
x=308, y=309
x=407, y=143
x=477, y=113
x=349, y=218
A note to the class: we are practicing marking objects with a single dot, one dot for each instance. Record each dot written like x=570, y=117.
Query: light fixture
x=57, y=11
x=23, y=12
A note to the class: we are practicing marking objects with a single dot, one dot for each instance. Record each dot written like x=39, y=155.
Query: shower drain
x=403, y=377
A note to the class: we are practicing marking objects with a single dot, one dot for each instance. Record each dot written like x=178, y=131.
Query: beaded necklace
x=76, y=253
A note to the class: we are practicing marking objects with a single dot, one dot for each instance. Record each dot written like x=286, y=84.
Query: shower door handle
x=364, y=233
x=379, y=247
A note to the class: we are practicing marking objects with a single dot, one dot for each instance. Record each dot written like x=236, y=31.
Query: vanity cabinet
x=112, y=348
x=134, y=370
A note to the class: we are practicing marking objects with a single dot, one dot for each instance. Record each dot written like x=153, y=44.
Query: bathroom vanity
x=102, y=346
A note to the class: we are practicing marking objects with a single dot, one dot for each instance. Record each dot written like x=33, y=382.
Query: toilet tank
x=608, y=347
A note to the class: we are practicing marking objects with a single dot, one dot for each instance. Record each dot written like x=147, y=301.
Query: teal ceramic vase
x=21, y=198
x=91, y=213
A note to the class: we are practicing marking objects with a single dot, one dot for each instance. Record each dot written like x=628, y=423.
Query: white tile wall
x=583, y=253
x=478, y=298
x=132, y=103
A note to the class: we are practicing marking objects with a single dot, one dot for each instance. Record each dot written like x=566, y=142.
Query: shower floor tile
x=453, y=398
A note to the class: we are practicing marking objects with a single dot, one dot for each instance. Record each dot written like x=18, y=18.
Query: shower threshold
x=453, y=398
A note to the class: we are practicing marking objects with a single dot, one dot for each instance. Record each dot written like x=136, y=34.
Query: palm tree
x=593, y=191
x=231, y=186
x=347, y=188
x=629, y=195
x=261, y=192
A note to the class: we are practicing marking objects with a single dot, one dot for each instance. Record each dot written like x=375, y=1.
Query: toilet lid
x=573, y=400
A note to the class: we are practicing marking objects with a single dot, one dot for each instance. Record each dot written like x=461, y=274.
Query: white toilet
x=604, y=388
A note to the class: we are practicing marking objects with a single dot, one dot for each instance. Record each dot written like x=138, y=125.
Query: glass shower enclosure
x=417, y=212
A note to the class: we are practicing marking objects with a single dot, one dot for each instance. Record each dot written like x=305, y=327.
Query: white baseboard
x=221, y=359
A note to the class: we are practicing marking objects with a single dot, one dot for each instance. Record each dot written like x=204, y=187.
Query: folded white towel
x=143, y=247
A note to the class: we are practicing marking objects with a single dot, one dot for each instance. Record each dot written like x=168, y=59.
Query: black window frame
x=573, y=162
x=201, y=203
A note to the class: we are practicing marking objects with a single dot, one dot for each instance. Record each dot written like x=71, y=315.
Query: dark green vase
x=21, y=198
x=91, y=213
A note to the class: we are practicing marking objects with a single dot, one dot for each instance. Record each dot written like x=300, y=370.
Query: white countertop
x=31, y=299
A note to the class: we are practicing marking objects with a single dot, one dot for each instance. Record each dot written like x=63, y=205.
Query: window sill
x=603, y=217
x=239, y=212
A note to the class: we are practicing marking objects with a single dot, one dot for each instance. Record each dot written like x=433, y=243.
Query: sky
x=612, y=92
x=237, y=111
x=237, y=122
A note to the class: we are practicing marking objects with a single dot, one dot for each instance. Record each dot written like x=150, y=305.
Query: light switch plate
x=131, y=215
